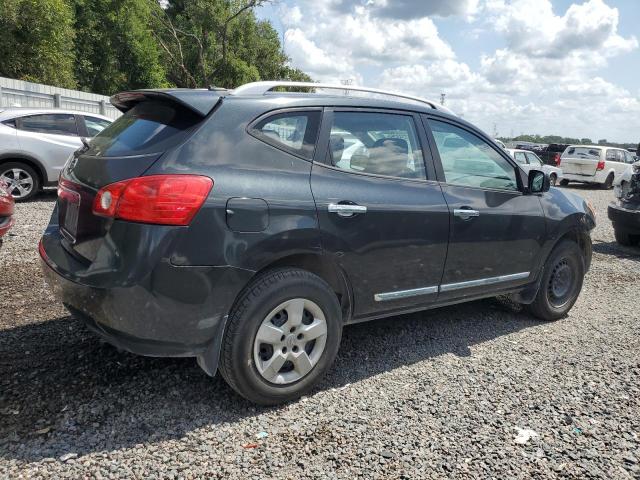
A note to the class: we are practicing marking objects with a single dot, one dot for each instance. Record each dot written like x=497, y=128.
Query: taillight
x=157, y=199
x=600, y=166
x=557, y=159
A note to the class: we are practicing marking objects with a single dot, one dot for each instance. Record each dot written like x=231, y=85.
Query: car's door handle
x=465, y=213
x=346, y=210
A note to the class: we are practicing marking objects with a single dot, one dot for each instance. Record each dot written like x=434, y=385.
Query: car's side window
x=376, y=143
x=520, y=158
x=611, y=156
x=469, y=161
x=534, y=160
x=95, y=125
x=55, y=123
x=294, y=131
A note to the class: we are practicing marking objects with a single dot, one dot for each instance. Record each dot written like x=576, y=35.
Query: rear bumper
x=624, y=219
x=599, y=177
x=168, y=311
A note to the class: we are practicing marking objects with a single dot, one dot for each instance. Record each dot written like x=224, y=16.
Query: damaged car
x=624, y=213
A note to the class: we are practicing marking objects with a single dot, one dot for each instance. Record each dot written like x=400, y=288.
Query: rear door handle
x=346, y=210
x=465, y=213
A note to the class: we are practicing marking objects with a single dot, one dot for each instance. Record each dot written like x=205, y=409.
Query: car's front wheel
x=561, y=282
x=22, y=181
x=564, y=183
x=282, y=336
x=553, y=179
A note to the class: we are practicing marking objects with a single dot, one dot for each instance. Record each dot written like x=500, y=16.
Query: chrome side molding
x=414, y=292
x=447, y=287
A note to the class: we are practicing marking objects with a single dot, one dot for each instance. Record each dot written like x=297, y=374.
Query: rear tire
x=625, y=239
x=269, y=347
x=561, y=282
x=608, y=183
x=24, y=182
x=564, y=183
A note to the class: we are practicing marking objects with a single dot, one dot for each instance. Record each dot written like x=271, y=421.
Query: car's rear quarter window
x=294, y=131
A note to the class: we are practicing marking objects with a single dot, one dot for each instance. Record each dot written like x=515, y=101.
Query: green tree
x=37, y=41
x=219, y=42
x=116, y=49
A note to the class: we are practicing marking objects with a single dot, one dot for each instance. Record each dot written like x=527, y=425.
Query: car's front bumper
x=625, y=219
x=172, y=311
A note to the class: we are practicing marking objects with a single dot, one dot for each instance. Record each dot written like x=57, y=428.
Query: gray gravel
x=438, y=394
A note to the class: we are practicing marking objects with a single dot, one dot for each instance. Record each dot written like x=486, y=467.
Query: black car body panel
x=167, y=290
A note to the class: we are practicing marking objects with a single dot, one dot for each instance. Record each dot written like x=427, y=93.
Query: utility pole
x=442, y=95
x=347, y=82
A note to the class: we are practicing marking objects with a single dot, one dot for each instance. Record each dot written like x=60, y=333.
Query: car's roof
x=514, y=150
x=13, y=112
x=594, y=146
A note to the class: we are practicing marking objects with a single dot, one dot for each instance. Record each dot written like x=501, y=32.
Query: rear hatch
x=580, y=161
x=153, y=122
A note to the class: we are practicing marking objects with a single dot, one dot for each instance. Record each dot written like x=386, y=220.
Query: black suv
x=246, y=227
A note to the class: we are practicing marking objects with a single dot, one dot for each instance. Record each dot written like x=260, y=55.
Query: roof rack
x=263, y=88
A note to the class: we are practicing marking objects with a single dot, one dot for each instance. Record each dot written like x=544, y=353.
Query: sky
x=562, y=67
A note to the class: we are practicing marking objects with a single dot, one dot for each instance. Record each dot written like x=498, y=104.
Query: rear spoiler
x=201, y=102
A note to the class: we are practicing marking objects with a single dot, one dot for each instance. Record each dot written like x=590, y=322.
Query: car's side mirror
x=538, y=181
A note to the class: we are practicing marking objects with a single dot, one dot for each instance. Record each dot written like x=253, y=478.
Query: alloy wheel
x=290, y=341
x=19, y=182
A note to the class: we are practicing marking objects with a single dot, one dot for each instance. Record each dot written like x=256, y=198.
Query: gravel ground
x=438, y=394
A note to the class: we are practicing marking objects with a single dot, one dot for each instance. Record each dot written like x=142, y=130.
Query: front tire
x=564, y=183
x=282, y=335
x=553, y=179
x=23, y=181
x=561, y=282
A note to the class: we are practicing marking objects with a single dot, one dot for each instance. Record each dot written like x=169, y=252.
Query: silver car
x=529, y=160
x=35, y=144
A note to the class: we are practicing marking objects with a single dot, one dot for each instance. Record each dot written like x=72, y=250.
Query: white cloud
x=547, y=75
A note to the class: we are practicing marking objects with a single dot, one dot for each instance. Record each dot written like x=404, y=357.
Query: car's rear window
x=149, y=127
x=582, y=152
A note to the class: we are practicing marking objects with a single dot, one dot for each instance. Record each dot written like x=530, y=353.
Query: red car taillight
x=600, y=166
x=557, y=159
x=157, y=199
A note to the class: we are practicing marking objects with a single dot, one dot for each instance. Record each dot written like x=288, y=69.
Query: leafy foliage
x=547, y=139
x=105, y=46
x=37, y=41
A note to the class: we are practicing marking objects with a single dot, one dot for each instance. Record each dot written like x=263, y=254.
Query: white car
x=36, y=143
x=529, y=160
x=623, y=182
x=594, y=164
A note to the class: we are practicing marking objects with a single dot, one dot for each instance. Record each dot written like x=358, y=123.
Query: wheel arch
x=325, y=268
x=28, y=160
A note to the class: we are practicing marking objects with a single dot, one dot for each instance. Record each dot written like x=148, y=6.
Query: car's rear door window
x=54, y=123
x=520, y=158
x=376, y=143
x=148, y=127
x=95, y=125
x=534, y=160
x=294, y=131
x=469, y=161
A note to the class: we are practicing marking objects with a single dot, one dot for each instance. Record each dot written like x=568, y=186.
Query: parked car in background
x=529, y=160
x=6, y=209
x=624, y=213
x=552, y=153
x=35, y=144
x=228, y=226
x=594, y=164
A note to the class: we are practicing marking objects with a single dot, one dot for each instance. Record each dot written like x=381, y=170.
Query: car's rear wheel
x=561, y=282
x=553, y=179
x=625, y=239
x=282, y=336
x=608, y=183
x=564, y=183
x=22, y=180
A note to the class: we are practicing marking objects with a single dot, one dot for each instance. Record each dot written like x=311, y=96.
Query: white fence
x=18, y=93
